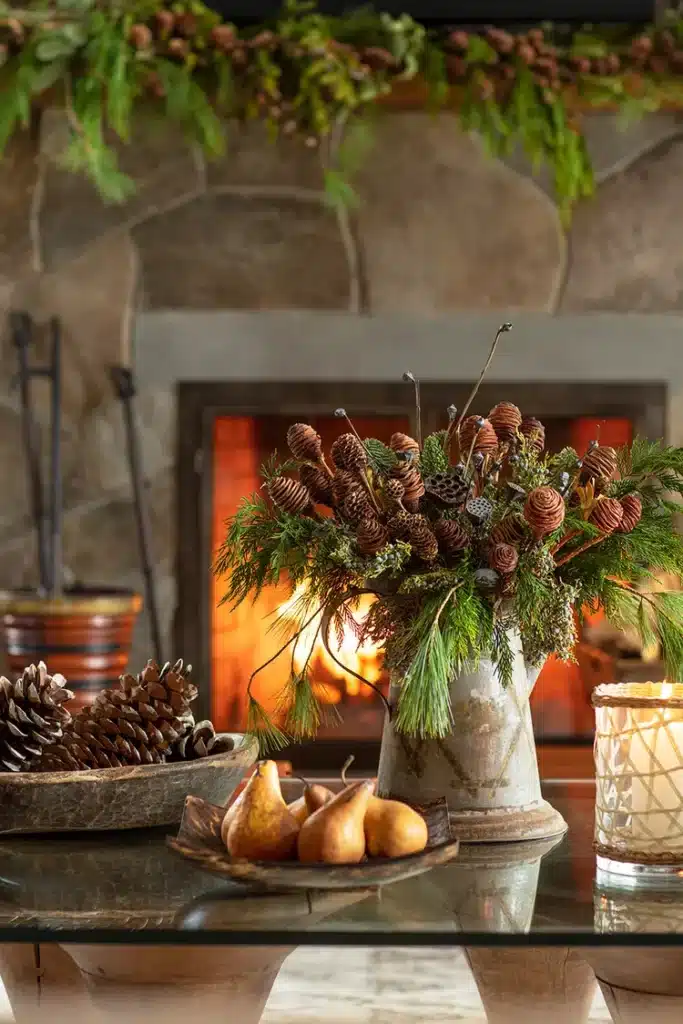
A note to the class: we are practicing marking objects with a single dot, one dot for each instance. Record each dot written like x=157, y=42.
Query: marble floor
x=382, y=986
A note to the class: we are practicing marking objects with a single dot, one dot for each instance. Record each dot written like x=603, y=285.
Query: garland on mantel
x=307, y=74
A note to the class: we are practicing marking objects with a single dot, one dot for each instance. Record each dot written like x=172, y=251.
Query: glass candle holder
x=639, y=779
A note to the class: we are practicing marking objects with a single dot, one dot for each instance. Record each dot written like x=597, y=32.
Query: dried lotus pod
x=318, y=483
x=451, y=536
x=607, y=514
x=348, y=453
x=402, y=444
x=506, y=419
x=544, y=510
x=451, y=488
x=304, y=442
x=633, y=509
x=534, y=431
x=503, y=558
x=599, y=463
x=289, y=495
x=372, y=536
x=478, y=435
x=479, y=509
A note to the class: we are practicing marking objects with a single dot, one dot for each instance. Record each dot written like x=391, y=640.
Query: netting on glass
x=639, y=772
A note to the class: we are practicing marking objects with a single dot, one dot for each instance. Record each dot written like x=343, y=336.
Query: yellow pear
x=393, y=829
x=261, y=826
x=334, y=834
x=314, y=797
x=229, y=815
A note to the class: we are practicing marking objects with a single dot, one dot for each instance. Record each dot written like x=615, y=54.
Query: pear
x=315, y=796
x=334, y=834
x=393, y=829
x=229, y=815
x=261, y=826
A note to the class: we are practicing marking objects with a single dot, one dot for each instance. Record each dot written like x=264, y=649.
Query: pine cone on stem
x=304, y=442
x=600, y=463
x=607, y=514
x=372, y=536
x=632, y=508
x=402, y=444
x=348, y=453
x=318, y=484
x=503, y=558
x=413, y=484
x=32, y=716
x=477, y=435
x=357, y=507
x=506, y=419
x=534, y=431
x=544, y=510
x=510, y=530
x=424, y=543
x=451, y=536
x=289, y=495
x=343, y=483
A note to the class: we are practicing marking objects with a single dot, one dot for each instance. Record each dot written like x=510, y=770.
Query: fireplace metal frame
x=199, y=403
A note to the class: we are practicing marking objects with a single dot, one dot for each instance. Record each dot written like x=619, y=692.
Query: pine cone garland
x=348, y=453
x=632, y=508
x=356, y=507
x=304, y=442
x=449, y=488
x=413, y=484
x=289, y=495
x=200, y=742
x=478, y=432
x=599, y=463
x=318, y=484
x=343, y=483
x=607, y=514
x=424, y=543
x=134, y=723
x=372, y=536
x=451, y=536
x=510, y=530
x=534, y=431
x=544, y=510
x=32, y=717
x=506, y=419
x=503, y=558
x=404, y=445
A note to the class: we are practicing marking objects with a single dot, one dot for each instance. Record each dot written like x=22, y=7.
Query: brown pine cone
x=510, y=530
x=478, y=431
x=633, y=509
x=371, y=537
x=200, y=741
x=394, y=491
x=451, y=536
x=404, y=445
x=399, y=524
x=289, y=495
x=343, y=483
x=356, y=507
x=544, y=510
x=599, y=463
x=607, y=515
x=506, y=420
x=413, y=484
x=534, y=431
x=223, y=37
x=348, y=453
x=503, y=558
x=140, y=37
x=424, y=543
x=165, y=21
x=304, y=442
x=32, y=716
x=318, y=484
x=178, y=47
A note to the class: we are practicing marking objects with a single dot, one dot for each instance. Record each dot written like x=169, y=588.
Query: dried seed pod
x=289, y=495
x=544, y=510
x=372, y=536
x=356, y=507
x=534, y=431
x=450, y=488
x=633, y=509
x=304, y=442
x=348, y=453
x=318, y=483
x=503, y=558
x=479, y=509
x=404, y=445
x=510, y=530
x=424, y=543
x=607, y=514
x=506, y=420
x=451, y=536
x=343, y=483
x=599, y=463
x=413, y=484
x=478, y=434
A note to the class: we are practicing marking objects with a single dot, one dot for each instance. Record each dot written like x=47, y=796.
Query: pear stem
x=345, y=767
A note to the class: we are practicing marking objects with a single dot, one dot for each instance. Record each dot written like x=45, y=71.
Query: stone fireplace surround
x=238, y=272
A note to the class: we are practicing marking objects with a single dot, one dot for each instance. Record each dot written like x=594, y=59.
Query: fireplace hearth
x=226, y=430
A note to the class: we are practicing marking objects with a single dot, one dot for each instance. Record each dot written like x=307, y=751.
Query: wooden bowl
x=119, y=798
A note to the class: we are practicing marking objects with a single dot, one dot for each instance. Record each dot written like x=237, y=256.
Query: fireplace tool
x=124, y=386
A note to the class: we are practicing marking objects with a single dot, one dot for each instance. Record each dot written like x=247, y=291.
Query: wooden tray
x=106, y=799
x=199, y=840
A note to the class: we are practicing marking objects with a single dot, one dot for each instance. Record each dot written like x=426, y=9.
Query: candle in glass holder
x=639, y=772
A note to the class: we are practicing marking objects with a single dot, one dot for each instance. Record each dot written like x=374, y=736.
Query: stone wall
x=440, y=231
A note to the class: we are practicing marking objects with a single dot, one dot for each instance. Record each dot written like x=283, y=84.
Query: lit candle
x=639, y=772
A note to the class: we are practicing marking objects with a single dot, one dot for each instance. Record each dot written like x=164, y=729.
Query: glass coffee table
x=90, y=921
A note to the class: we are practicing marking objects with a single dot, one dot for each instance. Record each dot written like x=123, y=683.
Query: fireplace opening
x=230, y=644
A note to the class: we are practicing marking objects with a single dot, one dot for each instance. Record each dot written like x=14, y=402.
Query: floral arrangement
x=462, y=536
x=307, y=74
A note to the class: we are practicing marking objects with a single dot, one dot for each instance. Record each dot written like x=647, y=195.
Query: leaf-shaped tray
x=199, y=840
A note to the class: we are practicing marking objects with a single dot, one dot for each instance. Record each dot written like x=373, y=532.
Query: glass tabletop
x=129, y=887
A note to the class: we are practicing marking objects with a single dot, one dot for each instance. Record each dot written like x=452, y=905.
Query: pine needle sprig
x=503, y=656
x=261, y=726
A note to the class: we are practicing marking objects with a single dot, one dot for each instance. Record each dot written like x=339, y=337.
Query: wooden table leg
x=522, y=985
x=641, y=986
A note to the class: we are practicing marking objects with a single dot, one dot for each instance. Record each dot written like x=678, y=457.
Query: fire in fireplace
x=235, y=437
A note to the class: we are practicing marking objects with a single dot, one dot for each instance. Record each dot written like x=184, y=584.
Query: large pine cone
x=451, y=536
x=318, y=484
x=506, y=419
x=544, y=510
x=402, y=444
x=356, y=507
x=32, y=716
x=424, y=543
x=534, y=431
x=510, y=530
x=372, y=536
x=413, y=484
x=348, y=453
x=477, y=434
x=343, y=484
x=633, y=511
x=134, y=723
x=289, y=495
x=304, y=442
x=449, y=488
x=599, y=463
x=200, y=742
x=503, y=558
x=607, y=514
